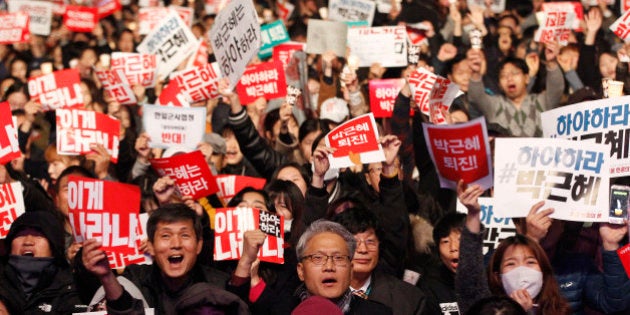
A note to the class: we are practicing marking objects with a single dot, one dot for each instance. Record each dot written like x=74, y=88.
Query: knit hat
x=334, y=109
x=317, y=305
x=216, y=141
x=48, y=224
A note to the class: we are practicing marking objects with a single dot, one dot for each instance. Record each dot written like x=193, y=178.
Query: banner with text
x=191, y=85
x=119, y=260
x=602, y=121
x=230, y=185
x=77, y=129
x=460, y=151
x=235, y=38
x=9, y=145
x=11, y=206
x=264, y=79
x=391, y=50
x=351, y=10
x=138, y=68
x=172, y=126
x=57, y=90
x=322, y=36
x=231, y=223
x=39, y=12
x=115, y=84
x=383, y=93
x=496, y=229
x=571, y=176
x=284, y=52
x=356, y=141
x=621, y=27
x=80, y=19
x=191, y=173
x=14, y=28
x=272, y=35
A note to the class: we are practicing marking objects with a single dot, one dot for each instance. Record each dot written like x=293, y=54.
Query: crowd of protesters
x=378, y=238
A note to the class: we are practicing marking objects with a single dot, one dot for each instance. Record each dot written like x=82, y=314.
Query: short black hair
x=170, y=213
x=449, y=222
x=517, y=62
x=359, y=220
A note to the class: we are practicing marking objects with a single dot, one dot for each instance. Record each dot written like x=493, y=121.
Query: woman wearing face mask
x=519, y=267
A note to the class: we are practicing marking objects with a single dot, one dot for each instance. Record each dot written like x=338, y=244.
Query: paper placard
x=356, y=141
x=138, y=68
x=9, y=145
x=14, y=28
x=115, y=84
x=80, y=19
x=40, y=13
x=496, y=229
x=621, y=27
x=272, y=34
x=107, y=7
x=191, y=85
x=231, y=223
x=602, y=121
x=383, y=94
x=284, y=52
x=391, y=50
x=11, y=206
x=57, y=90
x=572, y=177
x=191, y=173
x=230, y=185
x=460, y=152
x=77, y=129
x=262, y=80
x=235, y=38
x=322, y=36
x=351, y=10
x=170, y=126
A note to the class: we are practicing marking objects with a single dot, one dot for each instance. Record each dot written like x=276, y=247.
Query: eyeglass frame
x=371, y=247
x=324, y=262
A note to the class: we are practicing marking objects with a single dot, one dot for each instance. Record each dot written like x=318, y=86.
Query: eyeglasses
x=319, y=259
x=370, y=244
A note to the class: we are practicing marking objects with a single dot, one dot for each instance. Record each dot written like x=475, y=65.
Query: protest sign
x=107, y=7
x=421, y=83
x=104, y=210
x=77, y=129
x=351, y=10
x=264, y=79
x=556, y=21
x=138, y=68
x=460, y=152
x=171, y=41
x=11, y=206
x=624, y=6
x=14, y=28
x=571, y=7
x=57, y=90
x=115, y=84
x=284, y=52
x=383, y=93
x=356, y=141
x=171, y=126
x=230, y=185
x=191, y=174
x=119, y=260
x=200, y=57
x=272, y=35
x=9, y=145
x=496, y=229
x=185, y=13
x=621, y=27
x=149, y=18
x=39, y=12
x=235, y=38
x=191, y=85
x=442, y=95
x=80, y=19
x=59, y=7
x=231, y=223
x=602, y=121
x=284, y=8
x=391, y=50
x=497, y=6
x=570, y=176
x=323, y=36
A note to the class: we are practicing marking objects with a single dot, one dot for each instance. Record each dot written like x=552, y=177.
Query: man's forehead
x=175, y=225
x=327, y=242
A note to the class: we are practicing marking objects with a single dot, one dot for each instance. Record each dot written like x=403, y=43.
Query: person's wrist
x=317, y=181
x=610, y=246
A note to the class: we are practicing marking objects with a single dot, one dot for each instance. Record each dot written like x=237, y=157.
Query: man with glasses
x=325, y=253
x=368, y=281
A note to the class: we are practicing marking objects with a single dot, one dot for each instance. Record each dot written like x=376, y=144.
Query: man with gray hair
x=325, y=253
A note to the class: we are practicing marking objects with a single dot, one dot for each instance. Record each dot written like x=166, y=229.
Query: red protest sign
x=624, y=256
x=14, y=28
x=77, y=129
x=284, y=52
x=621, y=27
x=356, y=142
x=105, y=210
x=200, y=57
x=9, y=145
x=191, y=173
x=191, y=85
x=442, y=96
x=11, y=206
x=460, y=151
x=56, y=90
x=421, y=83
x=107, y=7
x=230, y=185
x=80, y=19
x=383, y=94
x=231, y=223
x=116, y=86
x=138, y=68
x=119, y=260
x=264, y=79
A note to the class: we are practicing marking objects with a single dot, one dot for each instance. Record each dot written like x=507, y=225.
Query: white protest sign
x=602, y=121
x=11, y=206
x=235, y=38
x=40, y=13
x=621, y=27
x=570, y=176
x=497, y=6
x=496, y=228
x=174, y=126
x=356, y=143
x=390, y=52
x=172, y=42
x=351, y=10
x=322, y=36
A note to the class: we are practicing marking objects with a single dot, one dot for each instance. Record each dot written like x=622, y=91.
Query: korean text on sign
x=191, y=174
x=11, y=206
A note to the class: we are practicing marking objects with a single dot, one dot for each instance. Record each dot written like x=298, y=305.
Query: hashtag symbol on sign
x=507, y=173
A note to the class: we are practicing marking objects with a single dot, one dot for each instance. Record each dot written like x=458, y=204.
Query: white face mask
x=523, y=278
x=287, y=225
